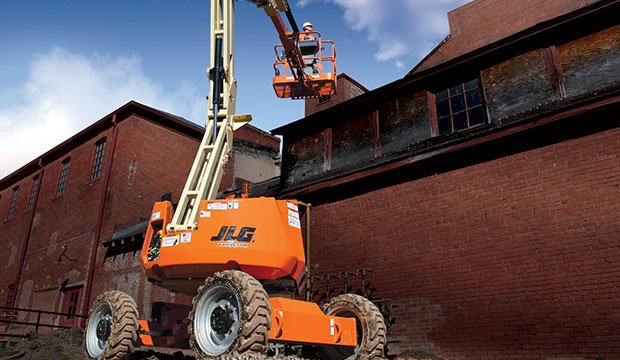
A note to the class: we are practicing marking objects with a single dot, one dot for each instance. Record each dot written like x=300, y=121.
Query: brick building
x=70, y=205
x=482, y=189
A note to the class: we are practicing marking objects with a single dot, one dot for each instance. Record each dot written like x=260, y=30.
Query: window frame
x=95, y=171
x=69, y=307
x=13, y=204
x=434, y=112
x=11, y=296
x=63, y=176
x=34, y=190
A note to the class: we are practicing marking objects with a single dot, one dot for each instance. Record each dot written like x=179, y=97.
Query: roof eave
x=121, y=113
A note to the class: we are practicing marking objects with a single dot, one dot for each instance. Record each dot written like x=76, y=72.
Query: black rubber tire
x=124, y=330
x=371, y=341
x=255, y=314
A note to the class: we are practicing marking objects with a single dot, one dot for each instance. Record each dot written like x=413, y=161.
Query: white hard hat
x=306, y=24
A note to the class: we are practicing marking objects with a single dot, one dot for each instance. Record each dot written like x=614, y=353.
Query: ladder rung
x=222, y=114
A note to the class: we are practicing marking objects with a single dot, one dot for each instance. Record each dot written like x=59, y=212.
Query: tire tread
x=255, y=314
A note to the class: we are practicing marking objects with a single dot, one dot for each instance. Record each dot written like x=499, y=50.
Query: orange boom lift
x=241, y=259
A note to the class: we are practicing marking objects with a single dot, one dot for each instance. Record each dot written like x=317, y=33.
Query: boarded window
x=516, y=85
x=98, y=161
x=403, y=121
x=62, y=179
x=305, y=158
x=459, y=107
x=353, y=142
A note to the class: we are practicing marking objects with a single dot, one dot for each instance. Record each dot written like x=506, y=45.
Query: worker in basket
x=309, y=47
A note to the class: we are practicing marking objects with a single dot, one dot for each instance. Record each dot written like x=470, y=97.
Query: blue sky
x=66, y=63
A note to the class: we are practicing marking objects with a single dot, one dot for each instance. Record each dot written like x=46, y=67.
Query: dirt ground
x=69, y=345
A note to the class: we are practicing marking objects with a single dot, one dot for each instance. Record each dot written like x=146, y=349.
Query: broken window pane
x=476, y=116
x=443, y=109
x=444, y=126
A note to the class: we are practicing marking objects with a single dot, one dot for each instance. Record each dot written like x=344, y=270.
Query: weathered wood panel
x=591, y=64
x=353, y=142
x=516, y=85
x=305, y=158
x=403, y=121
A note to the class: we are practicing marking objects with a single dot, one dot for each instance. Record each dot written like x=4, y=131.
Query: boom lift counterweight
x=225, y=253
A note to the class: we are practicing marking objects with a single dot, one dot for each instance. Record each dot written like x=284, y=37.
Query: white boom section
x=207, y=170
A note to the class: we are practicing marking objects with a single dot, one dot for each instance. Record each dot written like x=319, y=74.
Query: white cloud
x=389, y=50
x=66, y=92
x=403, y=30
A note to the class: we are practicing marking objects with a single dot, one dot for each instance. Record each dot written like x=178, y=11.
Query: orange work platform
x=316, y=76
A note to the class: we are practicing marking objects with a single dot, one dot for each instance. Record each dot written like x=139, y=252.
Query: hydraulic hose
x=291, y=20
x=217, y=76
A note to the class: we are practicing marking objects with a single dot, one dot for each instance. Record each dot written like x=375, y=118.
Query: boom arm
x=291, y=51
x=207, y=170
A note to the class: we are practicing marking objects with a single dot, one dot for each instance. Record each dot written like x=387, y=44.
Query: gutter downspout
x=22, y=259
x=101, y=211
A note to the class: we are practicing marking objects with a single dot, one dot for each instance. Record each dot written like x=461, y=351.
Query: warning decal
x=217, y=206
x=292, y=206
x=186, y=237
x=170, y=241
x=294, y=222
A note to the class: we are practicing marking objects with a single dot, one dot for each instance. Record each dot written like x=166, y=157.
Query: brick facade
x=497, y=240
x=482, y=22
x=513, y=257
x=151, y=156
x=347, y=87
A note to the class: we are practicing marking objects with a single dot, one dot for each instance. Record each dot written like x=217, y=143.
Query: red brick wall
x=257, y=136
x=65, y=222
x=347, y=89
x=482, y=22
x=12, y=231
x=149, y=160
x=517, y=257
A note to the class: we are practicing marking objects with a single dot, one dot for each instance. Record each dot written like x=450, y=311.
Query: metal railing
x=9, y=315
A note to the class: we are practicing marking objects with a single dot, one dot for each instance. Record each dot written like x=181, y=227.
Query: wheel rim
x=98, y=330
x=216, y=323
x=345, y=352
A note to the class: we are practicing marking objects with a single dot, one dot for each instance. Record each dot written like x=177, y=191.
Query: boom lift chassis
x=226, y=253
